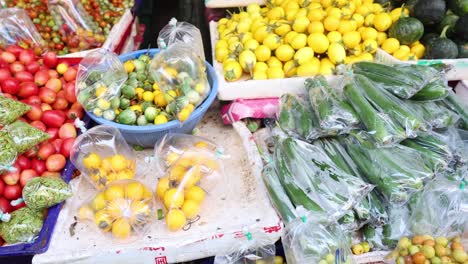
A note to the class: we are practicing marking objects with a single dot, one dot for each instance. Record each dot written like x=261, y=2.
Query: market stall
x=340, y=132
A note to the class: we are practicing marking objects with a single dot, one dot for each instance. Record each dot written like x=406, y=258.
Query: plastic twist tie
x=463, y=184
x=80, y=125
x=16, y=202
x=4, y=217
x=247, y=234
x=149, y=159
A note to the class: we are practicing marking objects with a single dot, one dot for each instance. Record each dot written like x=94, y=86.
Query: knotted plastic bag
x=24, y=226
x=252, y=250
x=25, y=136
x=181, y=75
x=75, y=25
x=124, y=210
x=441, y=209
x=44, y=192
x=11, y=109
x=181, y=32
x=100, y=76
x=17, y=28
x=313, y=239
x=103, y=156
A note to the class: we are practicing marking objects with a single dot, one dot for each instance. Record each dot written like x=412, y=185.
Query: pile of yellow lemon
x=102, y=171
x=289, y=38
x=124, y=208
x=179, y=190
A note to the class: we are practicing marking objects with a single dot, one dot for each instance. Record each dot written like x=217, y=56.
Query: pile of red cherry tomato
x=49, y=88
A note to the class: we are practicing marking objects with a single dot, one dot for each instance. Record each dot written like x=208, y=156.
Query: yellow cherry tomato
x=300, y=24
x=275, y=73
x=232, y=71
x=391, y=45
x=382, y=21
x=334, y=36
x=274, y=62
x=318, y=42
x=315, y=27
x=351, y=39
x=272, y=41
x=303, y=55
x=370, y=46
x=299, y=41
x=284, y=52
x=336, y=53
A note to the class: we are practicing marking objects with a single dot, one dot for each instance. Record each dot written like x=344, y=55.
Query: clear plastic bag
x=75, y=25
x=441, y=209
x=24, y=226
x=44, y=192
x=185, y=185
x=397, y=226
x=103, y=156
x=370, y=209
x=306, y=169
x=397, y=172
x=313, y=239
x=182, y=75
x=11, y=109
x=297, y=119
x=251, y=251
x=17, y=28
x=172, y=146
x=181, y=32
x=8, y=152
x=383, y=128
x=124, y=210
x=335, y=115
x=98, y=81
x=374, y=236
x=403, y=80
x=25, y=136
x=437, y=115
x=455, y=103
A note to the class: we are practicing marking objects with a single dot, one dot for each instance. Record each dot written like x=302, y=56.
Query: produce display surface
x=236, y=204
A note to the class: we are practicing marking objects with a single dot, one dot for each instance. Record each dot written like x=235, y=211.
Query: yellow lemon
x=336, y=53
x=370, y=46
x=391, y=45
x=175, y=219
x=121, y=228
x=284, y=52
x=173, y=198
x=118, y=162
x=369, y=33
x=103, y=220
x=318, y=42
x=381, y=37
x=346, y=26
x=303, y=55
x=191, y=209
x=274, y=62
x=272, y=41
x=232, y=71
x=310, y=68
x=331, y=23
x=418, y=50
x=92, y=161
x=134, y=190
x=334, y=36
x=260, y=67
x=275, y=73
x=300, y=24
x=251, y=44
x=299, y=41
x=162, y=187
x=289, y=37
x=351, y=39
x=113, y=192
x=195, y=193
x=315, y=27
x=326, y=67
x=382, y=21
x=262, y=53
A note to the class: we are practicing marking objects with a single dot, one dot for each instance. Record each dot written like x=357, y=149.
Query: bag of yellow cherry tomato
x=124, y=209
x=172, y=146
x=181, y=75
x=103, y=156
x=184, y=186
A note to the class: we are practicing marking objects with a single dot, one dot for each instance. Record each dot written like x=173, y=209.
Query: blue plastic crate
x=146, y=136
x=41, y=243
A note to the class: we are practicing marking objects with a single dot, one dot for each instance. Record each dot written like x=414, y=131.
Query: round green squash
x=407, y=30
x=459, y=7
x=449, y=20
x=442, y=48
x=462, y=50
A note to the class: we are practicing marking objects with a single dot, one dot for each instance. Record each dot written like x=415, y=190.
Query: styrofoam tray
x=246, y=88
x=239, y=202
